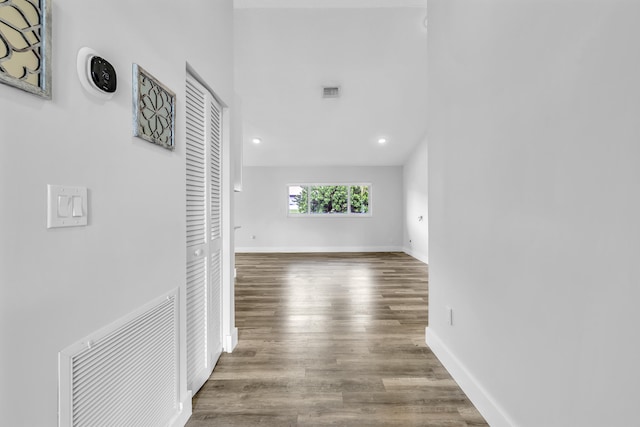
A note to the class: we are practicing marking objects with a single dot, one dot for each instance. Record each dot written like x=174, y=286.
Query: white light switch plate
x=66, y=206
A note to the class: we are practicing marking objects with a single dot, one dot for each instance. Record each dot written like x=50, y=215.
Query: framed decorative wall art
x=25, y=45
x=153, y=109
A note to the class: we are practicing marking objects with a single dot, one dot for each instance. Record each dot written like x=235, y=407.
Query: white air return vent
x=126, y=374
x=331, y=92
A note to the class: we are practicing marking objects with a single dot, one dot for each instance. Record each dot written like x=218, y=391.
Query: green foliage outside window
x=332, y=199
x=329, y=199
x=359, y=199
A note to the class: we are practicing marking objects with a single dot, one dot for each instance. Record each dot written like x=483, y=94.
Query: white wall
x=57, y=286
x=416, y=230
x=261, y=211
x=533, y=207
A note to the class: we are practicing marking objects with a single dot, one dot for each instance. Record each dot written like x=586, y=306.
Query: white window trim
x=349, y=214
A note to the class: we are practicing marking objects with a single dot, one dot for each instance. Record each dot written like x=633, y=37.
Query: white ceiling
x=287, y=50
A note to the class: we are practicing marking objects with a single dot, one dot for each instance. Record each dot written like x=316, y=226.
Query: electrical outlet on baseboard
x=449, y=316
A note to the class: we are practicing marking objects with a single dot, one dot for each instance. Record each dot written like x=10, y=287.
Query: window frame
x=348, y=214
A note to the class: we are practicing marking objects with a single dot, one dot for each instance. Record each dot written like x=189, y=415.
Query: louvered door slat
x=215, y=171
x=216, y=300
x=197, y=280
x=196, y=318
x=203, y=213
x=196, y=167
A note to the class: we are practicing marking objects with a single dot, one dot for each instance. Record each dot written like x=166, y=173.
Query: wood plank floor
x=331, y=340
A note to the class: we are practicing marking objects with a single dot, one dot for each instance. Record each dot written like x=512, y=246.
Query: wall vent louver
x=331, y=92
x=126, y=374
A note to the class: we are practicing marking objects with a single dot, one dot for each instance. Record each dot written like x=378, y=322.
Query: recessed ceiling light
x=382, y=140
x=256, y=140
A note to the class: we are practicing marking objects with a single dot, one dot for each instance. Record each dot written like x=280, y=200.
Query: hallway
x=331, y=339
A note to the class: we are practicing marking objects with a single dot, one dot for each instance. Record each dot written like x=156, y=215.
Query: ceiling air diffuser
x=331, y=92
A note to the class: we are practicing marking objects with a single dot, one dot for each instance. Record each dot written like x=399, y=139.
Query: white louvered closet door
x=204, y=287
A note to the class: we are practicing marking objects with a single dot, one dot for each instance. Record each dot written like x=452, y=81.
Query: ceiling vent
x=331, y=92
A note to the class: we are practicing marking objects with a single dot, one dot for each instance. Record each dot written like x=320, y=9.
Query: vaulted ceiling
x=286, y=51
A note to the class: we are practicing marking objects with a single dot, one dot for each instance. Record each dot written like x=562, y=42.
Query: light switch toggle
x=77, y=210
x=66, y=206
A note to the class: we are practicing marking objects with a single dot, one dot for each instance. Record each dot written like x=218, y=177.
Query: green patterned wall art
x=153, y=109
x=25, y=45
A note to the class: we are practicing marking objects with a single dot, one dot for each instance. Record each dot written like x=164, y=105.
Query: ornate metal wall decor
x=153, y=109
x=25, y=45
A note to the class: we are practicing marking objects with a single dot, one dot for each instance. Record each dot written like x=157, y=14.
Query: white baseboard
x=317, y=249
x=417, y=255
x=490, y=410
x=231, y=341
x=181, y=418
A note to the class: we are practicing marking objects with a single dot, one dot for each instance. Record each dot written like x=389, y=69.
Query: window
x=325, y=199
